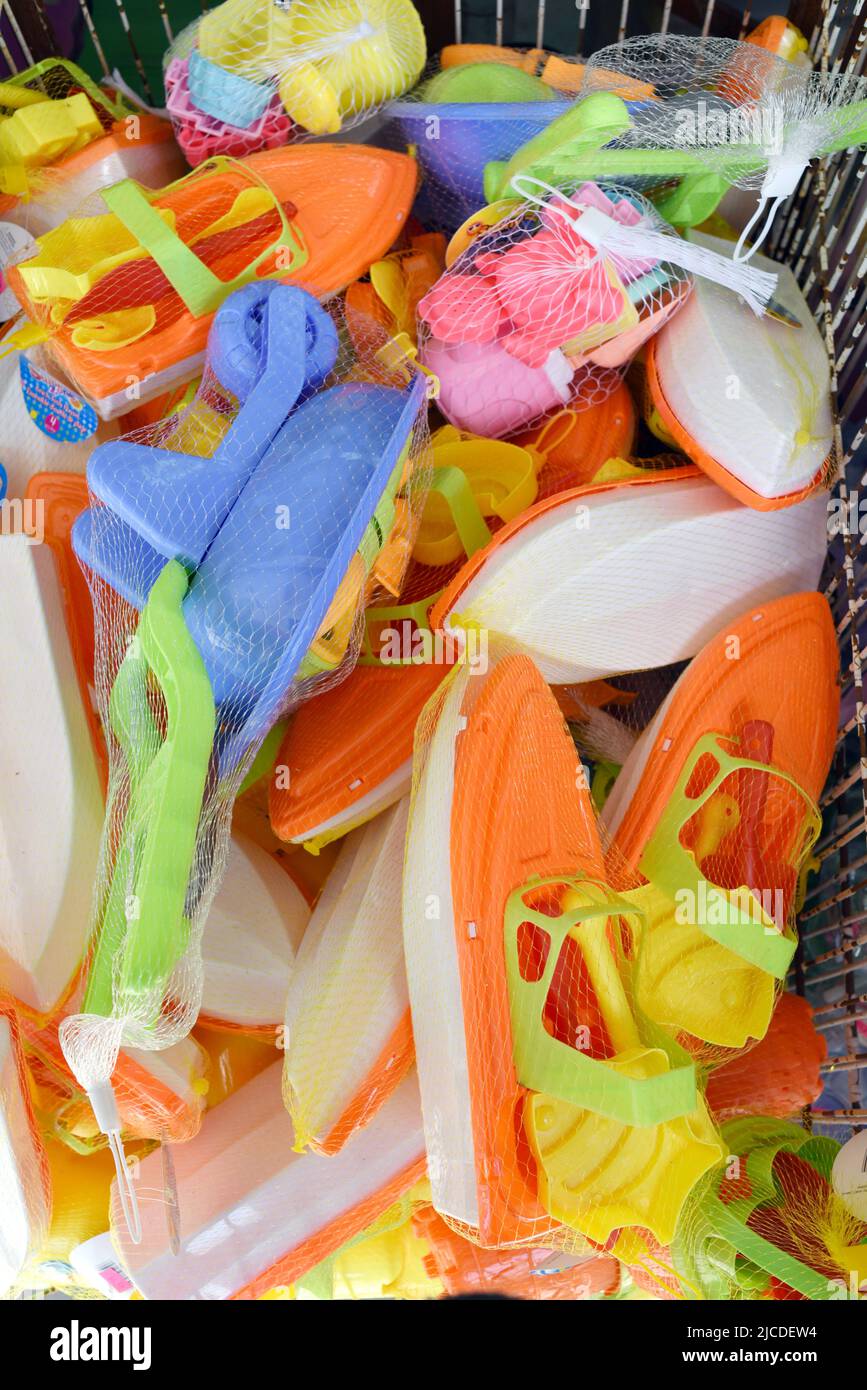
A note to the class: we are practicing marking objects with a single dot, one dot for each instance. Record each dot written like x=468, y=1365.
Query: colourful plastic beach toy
x=717, y=801
x=586, y=612
x=523, y=1023
x=130, y=295
x=332, y=1092
x=769, y=442
x=336, y=784
x=330, y=63
x=236, y=641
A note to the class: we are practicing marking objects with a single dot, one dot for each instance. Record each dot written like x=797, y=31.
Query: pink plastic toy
x=485, y=390
x=200, y=136
x=547, y=307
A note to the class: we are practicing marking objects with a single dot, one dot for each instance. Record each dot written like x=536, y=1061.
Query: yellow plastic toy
x=596, y=1174
x=678, y=959
x=41, y=131
x=331, y=61
x=389, y=1265
x=503, y=480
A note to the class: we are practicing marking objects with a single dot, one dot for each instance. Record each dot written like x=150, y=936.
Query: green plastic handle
x=547, y=1065
x=763, y=1253
x=145, y=930
x=744, y=931
x=199, y=288
x=454, y=485
x=588, y=124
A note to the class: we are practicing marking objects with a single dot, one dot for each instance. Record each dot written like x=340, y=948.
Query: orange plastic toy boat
x=734, y=682
x=328, y=785
x=312, y=216
x=526, y=1040
x=715, y=807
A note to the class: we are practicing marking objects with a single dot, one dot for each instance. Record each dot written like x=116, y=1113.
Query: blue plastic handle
x=273, y=342
x=264, y=588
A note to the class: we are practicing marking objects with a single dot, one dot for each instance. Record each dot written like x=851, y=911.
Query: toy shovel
x=575, y=148
x=144, y=930
x=268, y=344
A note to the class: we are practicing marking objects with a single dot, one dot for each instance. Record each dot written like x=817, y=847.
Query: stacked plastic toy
x=422, y=694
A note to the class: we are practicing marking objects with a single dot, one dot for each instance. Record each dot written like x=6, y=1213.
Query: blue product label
x=54, y=409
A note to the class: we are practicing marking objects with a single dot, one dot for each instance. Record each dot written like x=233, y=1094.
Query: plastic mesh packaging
x=251, y=74
x=767, y=1223
x=347, y=1035
x=477, y=486
x=230, y=551
x=62, y=137
x=571, y=986
x=715, y=808
x=124, y=292
x=781, y=1075
x=549, y=306
x=253, y=1215
x=585, y=612
x=731, y=110
x=539, y=1274
x=747, y=398
x=160, y=1095
x=555, y=1112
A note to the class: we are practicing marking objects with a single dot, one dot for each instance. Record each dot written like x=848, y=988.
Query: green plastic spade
x=144, y=928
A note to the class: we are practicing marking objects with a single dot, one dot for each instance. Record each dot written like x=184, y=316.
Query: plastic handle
x=588, y=124
x=199, y=288
x=167, y=786
x=454, y=487
x=547, y=1065
x=762, y=1253
x=744, y=927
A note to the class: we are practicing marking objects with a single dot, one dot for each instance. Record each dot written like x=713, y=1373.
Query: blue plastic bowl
x=454, y=142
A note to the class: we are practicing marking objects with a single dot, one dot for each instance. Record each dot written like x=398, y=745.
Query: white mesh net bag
x=230, y=552
x=347, y=1040
x=252, y=74
x=730, y=109
x=550, y=305
x=123, y=293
